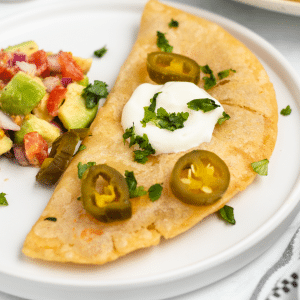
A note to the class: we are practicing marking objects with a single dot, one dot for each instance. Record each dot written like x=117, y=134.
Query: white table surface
x=283, y=32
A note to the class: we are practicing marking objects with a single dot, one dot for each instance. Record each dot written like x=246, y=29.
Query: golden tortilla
x=249, y=136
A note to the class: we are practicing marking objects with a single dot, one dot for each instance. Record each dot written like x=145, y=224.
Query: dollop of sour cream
x=174, y=96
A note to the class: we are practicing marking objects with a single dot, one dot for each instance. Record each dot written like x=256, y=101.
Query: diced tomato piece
x=4, y=57
x=56, y=97
x=36, y=148
x=69, y=67
x=6, y=74
x=39, y=58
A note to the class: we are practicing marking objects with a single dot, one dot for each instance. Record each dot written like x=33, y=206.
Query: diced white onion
x=27, y=67
x=7, y=123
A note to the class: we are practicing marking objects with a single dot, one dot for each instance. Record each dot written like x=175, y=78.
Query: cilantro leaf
x=261, y=167
x=163, y=43
x=140, y=156
x=171, y=121
x=3, y=201
x=83, y=167
x=81, y=148
x=173, y=23
x=162, y=119
x=210, y=81
x=94, y=92
x=286, y=111
x=134, y=191
x=152, y=106
x=224, y=118
x=204, y=104
x=225, y=73
x=100, y=52
x=155, y=192
x=53, y=219
x=226, y=213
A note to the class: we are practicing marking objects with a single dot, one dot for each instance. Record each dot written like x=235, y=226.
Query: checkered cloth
x=281, y=281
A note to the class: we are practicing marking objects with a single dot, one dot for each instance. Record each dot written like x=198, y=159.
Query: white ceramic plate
x=204, y=254
x=283, y=6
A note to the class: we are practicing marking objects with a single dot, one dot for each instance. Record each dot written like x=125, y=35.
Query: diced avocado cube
x=21, y=94
x=73, y=113
x=28, y=47
x=5, y=142
x=31, y=123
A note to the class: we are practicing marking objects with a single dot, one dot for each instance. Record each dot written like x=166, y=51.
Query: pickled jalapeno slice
x=163, y=67
x=59, y=158
x=199, y=178
x=112, y=202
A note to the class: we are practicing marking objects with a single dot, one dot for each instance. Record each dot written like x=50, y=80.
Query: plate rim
x=280, y=6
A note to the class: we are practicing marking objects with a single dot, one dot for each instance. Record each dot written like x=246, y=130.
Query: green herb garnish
x=204, y=104
x=99, y=53
x=286, y=111
x=155, y=192
x=163, y=43
x=94, y=92
x=162, y=119
x=224, y=118
x=173, y=23
x=53, y=219
x=210, y=81
x=83, y=167
x=80, y=148
x=134, y=190
x=226, y=213
x=3, y=201
x=261, y=167
x=225, y=73
x=140, y=156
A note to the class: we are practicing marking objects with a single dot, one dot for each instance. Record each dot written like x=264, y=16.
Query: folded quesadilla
x=65, y=232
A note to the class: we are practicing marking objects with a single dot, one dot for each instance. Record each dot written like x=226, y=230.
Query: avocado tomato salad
x=43, y=95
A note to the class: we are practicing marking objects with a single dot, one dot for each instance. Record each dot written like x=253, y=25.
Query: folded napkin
x=282, y=279
x=273, y=275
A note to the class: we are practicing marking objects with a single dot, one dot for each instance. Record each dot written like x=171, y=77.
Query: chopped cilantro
x=163, y=43
x=53, y=219
x=204, y=104
x=140, y=156
x=155, y=191
x=225, y=73
x=152, y=106
x=134, y=191
x=224, y=118
x=226, y=213
x=173, y=23
x=210, y=81
x=3, y=201
x=261, y=167
x=81, y=148
x=83, y=167
x=286, y=111
x=94, y=92
x=100, y=52
x=162, y=119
